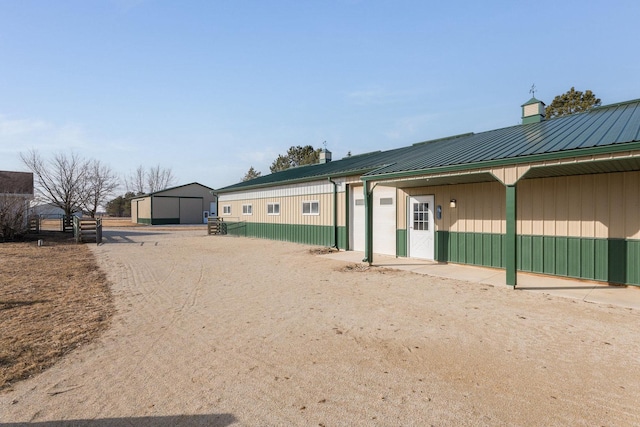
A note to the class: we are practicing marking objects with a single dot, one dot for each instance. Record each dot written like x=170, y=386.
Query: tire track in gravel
x=266, y=332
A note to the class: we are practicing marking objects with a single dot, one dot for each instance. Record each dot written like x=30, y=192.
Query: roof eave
x=299, y=180
x=580, y=152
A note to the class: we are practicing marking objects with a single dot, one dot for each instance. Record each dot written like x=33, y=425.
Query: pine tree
x=573, y=101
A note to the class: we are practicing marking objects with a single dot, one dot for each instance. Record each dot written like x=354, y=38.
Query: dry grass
x=53, y=299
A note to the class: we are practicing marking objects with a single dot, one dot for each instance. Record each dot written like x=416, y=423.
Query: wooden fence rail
x=87, y=229
x=216, y=225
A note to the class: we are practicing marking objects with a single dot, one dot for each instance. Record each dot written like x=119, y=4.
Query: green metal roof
x=172, y=188
x=610, y=128
x=348, y=166
x=531, y=101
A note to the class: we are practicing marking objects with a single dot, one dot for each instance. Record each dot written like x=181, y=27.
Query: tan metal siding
x=190, y=190
x=589, y=206
x=290, y=210
x=166, y=207
x=191, y=211
x=480, y=207
x=143, y=207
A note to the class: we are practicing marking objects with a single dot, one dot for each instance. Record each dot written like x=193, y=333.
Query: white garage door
x=384, y=220
x=356, y=211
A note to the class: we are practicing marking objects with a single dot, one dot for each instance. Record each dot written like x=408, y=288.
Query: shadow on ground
x=214, y=420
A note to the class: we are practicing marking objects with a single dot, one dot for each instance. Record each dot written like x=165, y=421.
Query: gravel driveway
x=221, y=331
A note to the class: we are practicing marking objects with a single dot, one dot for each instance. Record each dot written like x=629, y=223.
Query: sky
x=210, y=88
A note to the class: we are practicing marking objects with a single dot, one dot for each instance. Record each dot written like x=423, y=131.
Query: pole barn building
x=558, y=197
x=185, y=204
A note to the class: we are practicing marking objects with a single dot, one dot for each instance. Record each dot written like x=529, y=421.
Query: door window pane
x=421, y=216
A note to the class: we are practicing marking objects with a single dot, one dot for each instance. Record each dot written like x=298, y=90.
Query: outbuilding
x=16, y=194
x=558, y=197
x=184, y=204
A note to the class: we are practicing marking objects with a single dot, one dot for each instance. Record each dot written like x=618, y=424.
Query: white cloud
x=20, y=134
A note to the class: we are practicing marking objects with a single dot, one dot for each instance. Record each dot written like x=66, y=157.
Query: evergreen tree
x=572, y=101
x=296, y=156
x=251, y=174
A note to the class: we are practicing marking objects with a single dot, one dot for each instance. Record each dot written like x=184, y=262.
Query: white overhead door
x=384, y=220
x=356, y=211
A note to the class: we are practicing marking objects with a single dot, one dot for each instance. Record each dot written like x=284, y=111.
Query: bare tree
x=136, y=181
x=101, y=183
x=154, y=179
x=159, y=178
x=62, y=181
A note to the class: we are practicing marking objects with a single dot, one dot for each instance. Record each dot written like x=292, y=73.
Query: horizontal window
x=247, y=210
x=273, y=208
x=386, y=201
x=359, y=202
x=226, y=210
x=311, y=208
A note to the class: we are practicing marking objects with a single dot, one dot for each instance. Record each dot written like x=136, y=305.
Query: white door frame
x=421, y=227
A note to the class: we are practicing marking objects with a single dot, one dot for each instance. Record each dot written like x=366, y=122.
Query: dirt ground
x=53, y=299
x=213, y=330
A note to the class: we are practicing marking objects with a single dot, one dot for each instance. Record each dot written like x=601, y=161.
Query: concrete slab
x=595, y=292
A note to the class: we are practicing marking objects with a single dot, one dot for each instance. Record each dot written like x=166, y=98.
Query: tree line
x=76, y=184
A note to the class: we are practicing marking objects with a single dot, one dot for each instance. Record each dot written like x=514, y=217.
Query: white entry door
x=421, y=227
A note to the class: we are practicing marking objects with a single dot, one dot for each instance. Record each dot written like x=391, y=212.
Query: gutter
x=344, y=173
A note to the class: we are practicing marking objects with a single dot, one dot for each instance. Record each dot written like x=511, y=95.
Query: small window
x=386, y=201
x=226, y=210
x=247, y=210
x=311, y=208
x=359, y=202
x=273, y=208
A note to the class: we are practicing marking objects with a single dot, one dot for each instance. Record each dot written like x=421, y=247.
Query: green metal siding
x=165, y=221
x=606, y=260
x=308, y=234
x=401, y=242
x=483, y=249
x=158, y=221
x=342, y=237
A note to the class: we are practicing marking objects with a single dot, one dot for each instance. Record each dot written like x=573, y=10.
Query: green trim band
x=165, y=221
x=604, y=260
x=401, y=242
x=320, y=235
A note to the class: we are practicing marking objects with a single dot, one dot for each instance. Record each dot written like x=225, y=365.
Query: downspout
x=368, y=222
x=335, y=213
x=215, y=198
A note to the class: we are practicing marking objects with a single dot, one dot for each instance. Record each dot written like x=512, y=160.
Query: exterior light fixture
x=452, y=203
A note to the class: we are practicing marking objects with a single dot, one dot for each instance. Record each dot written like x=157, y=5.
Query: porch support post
x=510, y=252
x=368, y=223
